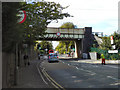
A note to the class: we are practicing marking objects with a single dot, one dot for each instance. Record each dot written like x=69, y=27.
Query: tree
x=46, y=45
x=39, y=15
x=116, y=38
x=106, y=45
x=68, y=25
x=61, y=48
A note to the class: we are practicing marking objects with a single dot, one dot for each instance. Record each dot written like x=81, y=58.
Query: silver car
x=52, y=57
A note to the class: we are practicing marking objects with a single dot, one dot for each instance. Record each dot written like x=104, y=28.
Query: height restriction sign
x=58, y=33
x=22, y=15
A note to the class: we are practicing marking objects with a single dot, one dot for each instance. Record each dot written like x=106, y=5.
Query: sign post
x=112, y=51
x=113, y=46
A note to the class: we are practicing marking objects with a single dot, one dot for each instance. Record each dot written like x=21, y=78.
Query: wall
x=8, y=65
x=87, y=41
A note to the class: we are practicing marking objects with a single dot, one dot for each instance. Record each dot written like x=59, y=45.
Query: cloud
x=94, y=13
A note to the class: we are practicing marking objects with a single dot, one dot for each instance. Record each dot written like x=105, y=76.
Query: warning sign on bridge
x=58, y=33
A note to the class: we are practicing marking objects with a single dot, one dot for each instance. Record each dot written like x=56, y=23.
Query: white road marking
x=93, y=73
x=112, y=77
x=81, y=69
x=115, y=84
x=74, y=76
x=111, y=66
x=77, y=68
x=95, y=66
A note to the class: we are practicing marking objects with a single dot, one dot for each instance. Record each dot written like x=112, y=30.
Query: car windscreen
x=53, y=55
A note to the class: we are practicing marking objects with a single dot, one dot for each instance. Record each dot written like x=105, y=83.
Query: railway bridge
x=81, y=36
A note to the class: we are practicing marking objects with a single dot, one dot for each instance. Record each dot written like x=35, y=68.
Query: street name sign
x=112, y=51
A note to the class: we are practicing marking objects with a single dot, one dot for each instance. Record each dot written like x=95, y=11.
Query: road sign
x=39, y=47
x=111, y=39
x=58, y=33
x=22, y=15
x=73, y=49
x=112, y=51
x=46, y=49
x=113, y=46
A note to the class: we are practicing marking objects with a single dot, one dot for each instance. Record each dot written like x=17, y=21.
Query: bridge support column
x=78, y=48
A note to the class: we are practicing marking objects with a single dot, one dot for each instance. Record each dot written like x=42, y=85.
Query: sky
x=101, y=15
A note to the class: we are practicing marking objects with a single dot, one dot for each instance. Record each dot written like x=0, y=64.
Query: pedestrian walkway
x=28, y=77
x=100, y=61
x=90, y=61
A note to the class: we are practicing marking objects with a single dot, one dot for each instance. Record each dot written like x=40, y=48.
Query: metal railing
x=109, y=56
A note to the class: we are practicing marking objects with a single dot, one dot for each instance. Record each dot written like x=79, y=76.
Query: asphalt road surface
x=70, y=74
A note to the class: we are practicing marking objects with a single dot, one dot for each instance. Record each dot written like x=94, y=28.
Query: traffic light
x=38, y=46
x=48, y=47
x=72, y=46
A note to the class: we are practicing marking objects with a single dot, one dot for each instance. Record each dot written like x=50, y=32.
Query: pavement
x=90, y=60
x=99, y=61
x=29, y=77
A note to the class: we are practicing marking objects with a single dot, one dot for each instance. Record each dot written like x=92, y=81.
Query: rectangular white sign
x=111, y=41
x=112, y=51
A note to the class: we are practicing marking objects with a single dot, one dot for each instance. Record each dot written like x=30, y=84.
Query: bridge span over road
x=81, y=36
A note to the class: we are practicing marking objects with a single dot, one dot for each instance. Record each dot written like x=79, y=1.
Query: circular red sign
x=58, y=33
x=111, y=37
x=22, y=15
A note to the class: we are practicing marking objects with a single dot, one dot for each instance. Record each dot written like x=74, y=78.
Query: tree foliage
x=116, y=38
x=46, y=45
x=61, y=48
x=39, y=15
x=68, y=25
x=106, y=45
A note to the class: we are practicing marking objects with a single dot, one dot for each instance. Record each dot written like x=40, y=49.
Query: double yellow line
x=54, y=83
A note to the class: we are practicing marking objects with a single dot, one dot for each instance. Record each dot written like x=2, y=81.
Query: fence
x=109, y=56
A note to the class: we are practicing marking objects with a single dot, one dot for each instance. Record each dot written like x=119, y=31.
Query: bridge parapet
x=77, y=33
x=66, y=31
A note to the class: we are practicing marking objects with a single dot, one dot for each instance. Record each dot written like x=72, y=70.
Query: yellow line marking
x=41, y=74
x=53, y=80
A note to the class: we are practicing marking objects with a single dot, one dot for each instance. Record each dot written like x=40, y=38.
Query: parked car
x=53, y=57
